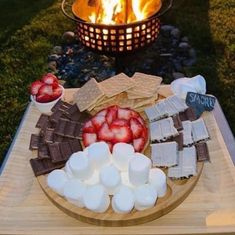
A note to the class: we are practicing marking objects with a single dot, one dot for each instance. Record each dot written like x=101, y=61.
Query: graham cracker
x=87, y=95
x=143, y=102
x=116, y=85
x=165, y=91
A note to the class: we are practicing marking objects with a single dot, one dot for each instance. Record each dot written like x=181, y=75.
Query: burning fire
x=115, y=11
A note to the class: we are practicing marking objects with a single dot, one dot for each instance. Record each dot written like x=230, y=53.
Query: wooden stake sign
x=200, y=103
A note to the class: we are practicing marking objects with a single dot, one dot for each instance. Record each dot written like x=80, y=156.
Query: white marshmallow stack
x=99, y=154
x=110, y=178
x=139, y=167
x=80, y=166
x=96, y=198
x=145, y=197
x=122, y=154
x=56, y=181
x=94, y=179
x=123, y=200
x=157, y=179
x=74, y=190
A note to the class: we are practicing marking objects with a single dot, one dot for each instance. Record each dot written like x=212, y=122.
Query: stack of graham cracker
x=136, y=92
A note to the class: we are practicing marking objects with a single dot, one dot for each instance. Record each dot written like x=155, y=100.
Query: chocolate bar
x=188, y=114
x=43, y=151
x=35, y=140
x=66, y=151
x=62, y=105
x=42, y=121
x=75, y=145
x=177, y=122
x=44, y=166
x=60, y=127
x=202, y=152
x=49, y=135
x=55, y=153
x=57, y=115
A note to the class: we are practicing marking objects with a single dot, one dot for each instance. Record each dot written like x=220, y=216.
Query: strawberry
x=121, y=134
x=105, y=133
x=136, y=128
x=97, y=121
x=45, y=90
x=57, y=92
x=134, y=114
x=141, y=120
x=50, y=79
x=124, y=113
x=88, y=127
x=139, y=144
x=89, y=138
x=35, y=86
x=111, y=115
x=43, y=98
x=144, y=133
x=120, y=122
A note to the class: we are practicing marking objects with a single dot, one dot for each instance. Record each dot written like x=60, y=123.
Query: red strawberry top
x=114, y=125
x=47, y=89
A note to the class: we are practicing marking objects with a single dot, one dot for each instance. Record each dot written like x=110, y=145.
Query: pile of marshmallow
x=92, y=175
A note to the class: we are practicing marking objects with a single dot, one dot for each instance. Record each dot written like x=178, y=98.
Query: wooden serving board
x=177, y=191
x=25, y=209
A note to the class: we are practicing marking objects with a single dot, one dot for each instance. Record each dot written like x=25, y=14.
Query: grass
x=29, y=29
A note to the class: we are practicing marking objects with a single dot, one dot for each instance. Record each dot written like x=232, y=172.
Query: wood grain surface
x=25, y=209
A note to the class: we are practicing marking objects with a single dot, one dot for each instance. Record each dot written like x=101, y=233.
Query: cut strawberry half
x=45, y=90
x=89, y=138
x=120, y=122
x=57, y=92
x=98, y=121
x=105, y=133
x=111, y=115
x=35, y=86
x=121, y=134
x=49, y=79
x=139, y=144
x=88, y=127
x=124, y=113
x=43, y=98
x=136, y=128
x=141, y=120
x=144, y=133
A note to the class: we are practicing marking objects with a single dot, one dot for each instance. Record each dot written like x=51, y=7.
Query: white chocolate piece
x=187, y=133
x=73, y=192
x=145, y=197
x=110, y=178
x=123, y=200
x=157, y=178
x=151, y=113
x=139, y=167
x=96, y=198
x=99, y=154
x=122, y=153
x=164, y=154
x=56, y=181
x=80, y=166
x=94, y=179
x=199, y=130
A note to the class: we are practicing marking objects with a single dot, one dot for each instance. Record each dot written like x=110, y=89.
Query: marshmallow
x=73, y=192
x=122, y=153
x=145, y=197
x=110, y=178
x=56, y=181
x=99, y=154
x=68, y=170
x=125, y=180
x=80, y=165
x=157, y=179
x=139, y=167
x=94, y=179
x=96, y=198
x=123, y=200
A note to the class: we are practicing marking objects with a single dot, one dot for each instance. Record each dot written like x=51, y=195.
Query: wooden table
x=209, y=209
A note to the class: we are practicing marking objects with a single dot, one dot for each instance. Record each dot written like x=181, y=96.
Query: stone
x=184, y=45
x=177, y=75
x=192, y=53
x=53, y=57
x=68, y=37
x=167, y=27
x=184, y=39
x=175, y=33
x=57, y=50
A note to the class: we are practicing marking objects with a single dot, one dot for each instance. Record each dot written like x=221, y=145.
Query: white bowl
x=46, y=107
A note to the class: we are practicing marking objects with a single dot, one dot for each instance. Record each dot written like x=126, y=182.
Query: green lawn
x=29, y=30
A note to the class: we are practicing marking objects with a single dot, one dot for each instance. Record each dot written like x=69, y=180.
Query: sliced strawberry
x=111, y=115
x=98, y=121
x=121, y=134
x=124, y=113
x=141, y=120
x=49, y=79
x=35, y=86
x=57, y=92
x=89, y=138
x=144, y=133
x=120, y=122
x=139, y=144
x=103, y=112
x=88, y=127
x=45, y=90
x=134, y=114
x=43, y=98
x=105, y=133
x=136, y=128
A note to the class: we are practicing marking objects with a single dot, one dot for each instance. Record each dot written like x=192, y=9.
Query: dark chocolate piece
x=35, y=140
x=43, y=151
x=57, y=115
x=188, y=114
x=55, y=152
x=49, y=135
x=42, y=121
x=60, y=127
x=62, y=105
x=44, y=166
x=75, y=145
x=78, y=131
x=58, y=138
x=57, y=105
x=177, y=122
x=202, y=152
x=179, y=139
x=65, y=150
x=70, y=129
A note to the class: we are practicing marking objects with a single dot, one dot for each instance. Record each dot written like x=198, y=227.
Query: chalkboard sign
x=200, y=103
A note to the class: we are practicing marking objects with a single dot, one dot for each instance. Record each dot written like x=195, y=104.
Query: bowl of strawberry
x=46, y=92
x=116, y=125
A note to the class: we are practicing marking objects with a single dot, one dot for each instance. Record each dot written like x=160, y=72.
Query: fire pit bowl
x=116, y=38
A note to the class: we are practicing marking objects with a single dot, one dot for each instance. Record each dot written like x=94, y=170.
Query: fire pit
x=119, y=27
